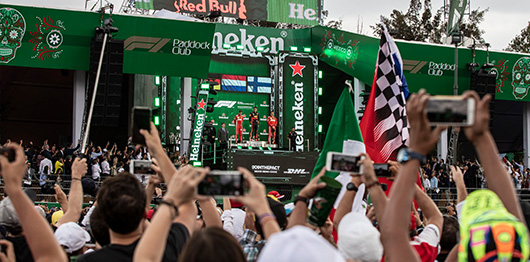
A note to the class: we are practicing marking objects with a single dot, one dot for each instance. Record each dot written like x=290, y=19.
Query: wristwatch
x=405, y=155
x=301, y=198
x=351, y=187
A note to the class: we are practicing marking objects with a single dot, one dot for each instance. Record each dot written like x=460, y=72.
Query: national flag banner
x=234, y=83
x=259, y=84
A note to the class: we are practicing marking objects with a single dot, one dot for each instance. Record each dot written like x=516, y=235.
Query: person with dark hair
x=222, y=135
x=212, y=244
x=292, y=139
x=99, y=229
x=238, y=121
x=254, y=124
x=450, y=237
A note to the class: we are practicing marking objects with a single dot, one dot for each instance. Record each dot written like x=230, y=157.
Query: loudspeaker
x=484, y=81
x=110, y=87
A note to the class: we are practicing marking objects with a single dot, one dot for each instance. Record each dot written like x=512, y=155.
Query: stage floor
x=245, y=144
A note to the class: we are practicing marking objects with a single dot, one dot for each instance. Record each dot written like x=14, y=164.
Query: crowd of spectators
x=368, y=225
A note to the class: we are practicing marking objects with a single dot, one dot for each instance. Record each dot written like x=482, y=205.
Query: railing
x=445, y=195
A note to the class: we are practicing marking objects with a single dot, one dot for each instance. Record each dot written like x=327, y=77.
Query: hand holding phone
x=382, y=170
x=222, y=184
x=340, y=162
x=141, y=167
x=141, y=118
x=450, y=111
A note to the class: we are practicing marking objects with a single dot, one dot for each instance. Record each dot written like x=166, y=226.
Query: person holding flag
x=238, y=121
x=272, y=122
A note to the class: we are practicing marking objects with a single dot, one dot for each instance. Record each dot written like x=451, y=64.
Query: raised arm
x=299, y=214
x=39, y=235
x=60, y=196
x=395, y=221
x=75, y=197
x=458, y=177
x=377, y=195
x=181, y=191
x=428, y=207
x=499, y=181
x=152, y=140
x=209, y=212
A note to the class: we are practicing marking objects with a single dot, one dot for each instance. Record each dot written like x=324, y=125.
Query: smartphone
x=450, y=111
x=141, y=118
x=222, y=184
x=339, y=162
x=141, y=167
x=382, y=170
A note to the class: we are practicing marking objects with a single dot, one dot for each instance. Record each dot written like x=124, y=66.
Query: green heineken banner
x=426, y=66
x=198, y=124
x=228, y=106
x=303, y=12
x=52, y=38
x=297, y=99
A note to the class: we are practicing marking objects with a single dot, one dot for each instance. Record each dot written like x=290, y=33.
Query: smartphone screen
x=451, y=111
x=382, y=170
x=141, y=167
x=222, y=184
x=337, y=162
x=141, y=117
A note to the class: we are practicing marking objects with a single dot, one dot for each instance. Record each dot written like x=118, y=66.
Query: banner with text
x=298, y=85
x=303, y=12
x=198, y=125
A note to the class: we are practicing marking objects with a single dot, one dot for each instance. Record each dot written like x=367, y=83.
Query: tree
x=419, y=24
x=521, y=42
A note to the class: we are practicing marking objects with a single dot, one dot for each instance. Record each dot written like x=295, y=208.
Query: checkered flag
x=384, y=124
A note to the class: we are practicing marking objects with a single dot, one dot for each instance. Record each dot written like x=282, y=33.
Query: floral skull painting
x=12, y=28
x=521, y=77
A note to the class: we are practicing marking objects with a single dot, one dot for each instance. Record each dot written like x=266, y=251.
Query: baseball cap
x=275, y=194
x=299, y=244
x=235, y=204
x=71, y=236
x=359, y=239
x=8, y=215
x=56, y=216
x=488, y=232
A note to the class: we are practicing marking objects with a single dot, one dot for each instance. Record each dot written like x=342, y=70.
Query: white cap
x=299, y=244
x=359, y=239
x=71, y=236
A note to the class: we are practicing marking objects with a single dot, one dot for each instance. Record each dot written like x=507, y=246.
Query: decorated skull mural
x=12, y=28
x=521, y=77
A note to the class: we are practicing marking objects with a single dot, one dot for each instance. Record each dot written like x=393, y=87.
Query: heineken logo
x=196, y=137
x=201, y=104
x=249, y=42
x=297, y=69
x=298, y=110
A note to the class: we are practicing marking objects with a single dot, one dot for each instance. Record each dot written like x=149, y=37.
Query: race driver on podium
x=272, y=122
x=254, y=122
x=238, y=121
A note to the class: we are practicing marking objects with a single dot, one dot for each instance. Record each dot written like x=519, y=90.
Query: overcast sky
x=504, y=20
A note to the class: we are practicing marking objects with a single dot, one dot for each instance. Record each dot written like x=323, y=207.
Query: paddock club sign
x=198, y=124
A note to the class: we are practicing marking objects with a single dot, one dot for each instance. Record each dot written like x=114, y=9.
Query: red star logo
x=297, y=69
x=201, y=104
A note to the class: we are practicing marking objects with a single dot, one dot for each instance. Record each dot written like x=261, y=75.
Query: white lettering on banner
x=297, y=11
x=265, y=167
x=197, y=134
x=248, y=41
x=437, y=69
x=296, y=171
x=298, y=110
x=224, y=103
x=181, y=47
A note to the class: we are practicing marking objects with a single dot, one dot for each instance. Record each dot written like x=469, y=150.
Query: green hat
x=488, y=232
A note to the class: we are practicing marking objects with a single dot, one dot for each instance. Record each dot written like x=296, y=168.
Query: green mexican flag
x=344, y=134
x=144, y=4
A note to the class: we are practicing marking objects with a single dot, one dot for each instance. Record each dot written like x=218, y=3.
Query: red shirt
x=238, y=120
x=271, y=121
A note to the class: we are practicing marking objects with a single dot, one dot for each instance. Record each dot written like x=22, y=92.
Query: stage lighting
x=269, y=148
x=205, y=86
x=249, y=147
x=157, y=101
x=239, y=147
x=320, y=128
x=260, y=148
x=157, y=80
x=320, y=91
x=260, y=48
x=226, y=46
x=319, y=74
x=239, y=47
x=320, y=110
x=156, y=120
x=307, y=49
x=196, y=163
x=294, y=48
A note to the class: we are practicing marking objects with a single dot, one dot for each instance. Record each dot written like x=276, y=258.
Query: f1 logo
x=225, y=103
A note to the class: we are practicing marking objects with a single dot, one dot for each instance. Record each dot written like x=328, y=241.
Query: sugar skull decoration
x=521, y=77
x=12, y=29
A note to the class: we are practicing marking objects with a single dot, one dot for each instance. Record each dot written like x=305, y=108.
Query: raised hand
x=79, y=168
x=182, y=187
x=482, y=116
x=313, y=186
x=422, y=138
x=368, y=176
x=13, y=172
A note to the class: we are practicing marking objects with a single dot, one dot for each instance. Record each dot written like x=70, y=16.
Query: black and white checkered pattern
x=391, y=124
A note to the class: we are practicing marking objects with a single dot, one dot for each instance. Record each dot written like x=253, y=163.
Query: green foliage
x=419, y=23
x=521, y=42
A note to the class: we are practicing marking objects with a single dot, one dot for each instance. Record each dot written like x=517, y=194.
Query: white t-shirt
x=105, y=167
x=96, y=170
x=233, y=221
